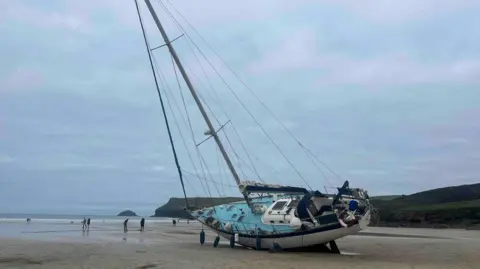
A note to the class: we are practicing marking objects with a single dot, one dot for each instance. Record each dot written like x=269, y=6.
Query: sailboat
x=269, y=215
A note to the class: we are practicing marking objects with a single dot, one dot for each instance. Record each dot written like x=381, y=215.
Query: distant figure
x=188, y=221
x=84, y=223
x=142, y=225
x=88, y=224
x=28, y=220
x=125, y=226
x=174, y=222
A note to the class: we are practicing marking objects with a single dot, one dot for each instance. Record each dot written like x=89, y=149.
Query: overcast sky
x=386, y=93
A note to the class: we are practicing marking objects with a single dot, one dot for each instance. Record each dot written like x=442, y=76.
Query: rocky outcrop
x=127, y=213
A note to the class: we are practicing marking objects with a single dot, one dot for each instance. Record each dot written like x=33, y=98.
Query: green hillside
x=456, y=206
x=385, y=197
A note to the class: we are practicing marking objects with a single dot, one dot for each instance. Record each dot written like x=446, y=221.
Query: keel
x=334, y=247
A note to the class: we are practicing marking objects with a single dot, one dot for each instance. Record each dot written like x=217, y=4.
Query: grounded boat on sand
x=270, y=215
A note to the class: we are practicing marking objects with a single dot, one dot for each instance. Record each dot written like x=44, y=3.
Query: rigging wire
x=190, y=185
x=216, y=119
x=189, y=122
x=221, y=106
x=220, y=170
x=239, y=159
x=218, y=102
x=218, y=122
x=308, y=152
x=147, y=46
x=238, y=99
x=209, y=108
x=214, y=181
x=209, y=173
x=226, y=114
x=167, y=91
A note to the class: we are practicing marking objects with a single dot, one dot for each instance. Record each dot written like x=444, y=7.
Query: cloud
x=390, y=11
x=200, y=14
x=21, y=79
x=158, y=168
x=300, y=51
x=397, y=70
x=296, y=51
x=6, y=159
x=79, y=109
x=27, y=12
x=405, y=11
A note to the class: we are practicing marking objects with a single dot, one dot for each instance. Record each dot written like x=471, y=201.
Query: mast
x=195, y=96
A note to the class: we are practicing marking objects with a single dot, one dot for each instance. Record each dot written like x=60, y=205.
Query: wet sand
x=164, y=246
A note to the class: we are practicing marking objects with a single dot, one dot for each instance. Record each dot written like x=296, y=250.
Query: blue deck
x=242, y=219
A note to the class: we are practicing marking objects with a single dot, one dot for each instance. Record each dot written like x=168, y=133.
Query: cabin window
x=279, y=205
x=293, y=203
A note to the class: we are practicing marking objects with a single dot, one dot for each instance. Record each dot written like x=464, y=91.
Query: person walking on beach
x=84, y=224
x=125, y=226
x=174, y=222
x=142, y=225
x=88, y=224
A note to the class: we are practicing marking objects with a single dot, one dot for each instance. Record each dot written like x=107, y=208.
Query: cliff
x=450, y=207
x=127, y=213
x=175, y=207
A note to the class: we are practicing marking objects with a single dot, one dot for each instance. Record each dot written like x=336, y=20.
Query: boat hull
x=299, y=239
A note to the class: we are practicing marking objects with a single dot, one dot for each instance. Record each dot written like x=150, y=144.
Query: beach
x=61, y=244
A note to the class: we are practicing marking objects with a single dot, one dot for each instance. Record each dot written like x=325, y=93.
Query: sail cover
x=252, y=187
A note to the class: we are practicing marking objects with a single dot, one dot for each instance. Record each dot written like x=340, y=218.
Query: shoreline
x=163, y=245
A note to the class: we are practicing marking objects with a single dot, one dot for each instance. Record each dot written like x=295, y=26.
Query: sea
x=65, y=218
x=44, y=226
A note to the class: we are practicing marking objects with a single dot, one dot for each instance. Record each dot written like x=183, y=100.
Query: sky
x=385, y=93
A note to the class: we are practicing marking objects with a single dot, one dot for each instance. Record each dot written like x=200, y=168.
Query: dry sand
x=164, y=246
